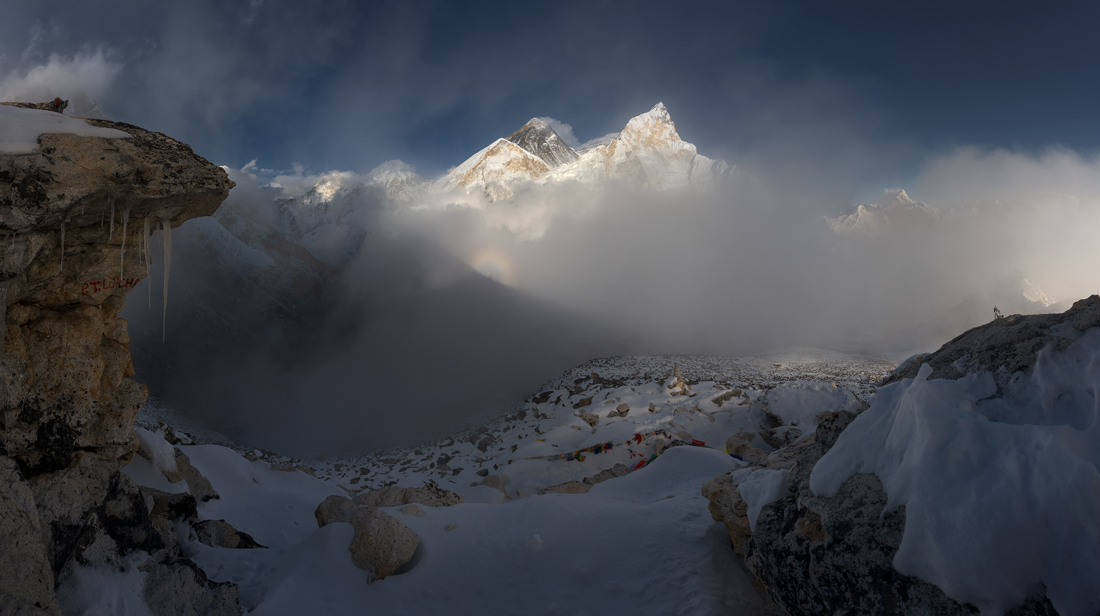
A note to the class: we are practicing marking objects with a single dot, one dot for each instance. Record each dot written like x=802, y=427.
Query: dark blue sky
x=856, y=92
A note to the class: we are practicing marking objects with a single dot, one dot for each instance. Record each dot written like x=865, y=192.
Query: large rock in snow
x=382, y=544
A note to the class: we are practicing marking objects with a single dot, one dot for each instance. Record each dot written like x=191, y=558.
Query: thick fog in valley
x=402, y=319
x=446, y=309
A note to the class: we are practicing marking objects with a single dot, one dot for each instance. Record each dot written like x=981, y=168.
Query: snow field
x=639, y=543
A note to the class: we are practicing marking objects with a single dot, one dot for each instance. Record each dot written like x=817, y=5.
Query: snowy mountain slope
x=495, y=170
x=894, y=208
x=648, y=153
x=538, y=138
x=398, y=180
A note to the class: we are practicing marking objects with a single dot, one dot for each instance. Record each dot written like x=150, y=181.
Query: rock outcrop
x=834, y=554
x=382, y=544
x=1012, y=343
x=74, y=218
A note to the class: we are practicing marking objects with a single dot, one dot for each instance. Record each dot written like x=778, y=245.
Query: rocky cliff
x=75, y=216
x=816, y=552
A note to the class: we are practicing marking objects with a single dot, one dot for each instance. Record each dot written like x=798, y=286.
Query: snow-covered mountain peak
x=398, y=179
x=895, y=195
x=331, y=184
x=1019, y=285
x=538, y=138
x=494, y=170
x=652, y=129
x=659, y=113
x=893, y=208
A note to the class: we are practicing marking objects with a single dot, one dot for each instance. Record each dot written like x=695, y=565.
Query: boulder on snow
x=412, y=509
x=432, y=495
x=389, y=496
x=197, y=485
x=382, y=544
x=221, y=534
x=429, y=494
x=739, y=445
x=620, y=411
x=335, y=508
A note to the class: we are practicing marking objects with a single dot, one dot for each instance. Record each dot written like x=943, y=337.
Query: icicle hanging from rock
x=122, y=251
x=166, y=236
x=111, y=234
x=148, y=261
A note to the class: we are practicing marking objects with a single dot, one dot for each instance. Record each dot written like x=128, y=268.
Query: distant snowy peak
x=494, y=170
x=893, y=208
x=399, y=181
x=1018, y=286
x=648, y=153
x=540, y=139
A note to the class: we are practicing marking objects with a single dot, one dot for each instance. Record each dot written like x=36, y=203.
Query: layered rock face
x=74, y=220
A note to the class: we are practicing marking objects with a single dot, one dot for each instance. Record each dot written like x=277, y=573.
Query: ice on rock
x=154, y=448
x=122, y=251
x=760, y=487
x=993, y=508
x=167, y=235
x=145, y=231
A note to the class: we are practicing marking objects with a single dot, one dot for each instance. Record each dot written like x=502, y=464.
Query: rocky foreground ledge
x=821, y=545
x=74, y=218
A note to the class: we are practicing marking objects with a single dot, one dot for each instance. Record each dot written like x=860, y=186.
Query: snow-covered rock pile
x=78, y=202
x=970, y=484
x=612, y=400
x=538, y=511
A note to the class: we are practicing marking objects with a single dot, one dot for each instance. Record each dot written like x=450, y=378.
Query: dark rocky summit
x=538, y=138
x=72, y=223
x=834, y=555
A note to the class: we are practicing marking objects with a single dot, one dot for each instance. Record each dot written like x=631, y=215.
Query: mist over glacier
x=410, y=339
